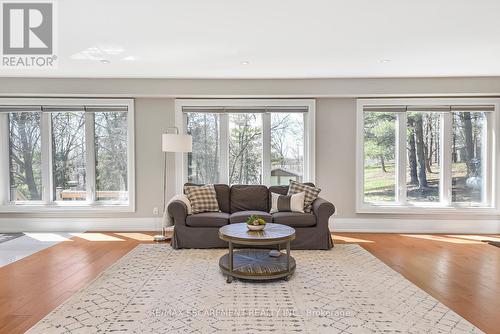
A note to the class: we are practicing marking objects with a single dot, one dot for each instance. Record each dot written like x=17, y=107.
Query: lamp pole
x=171, y=142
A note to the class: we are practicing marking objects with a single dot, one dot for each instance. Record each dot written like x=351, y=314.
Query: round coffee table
x=257, y=264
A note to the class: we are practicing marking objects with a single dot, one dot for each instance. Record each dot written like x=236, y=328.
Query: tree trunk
x=469, y=146
x=430, y=146
x=419, y=134
x=382, y=163
x=27, y=158
x=206, y=149
x=437, y=147
x=412, y=156
x=215, y=166
x=427, y=159
x=475, y=142
x=454, y=154
x=241, y=145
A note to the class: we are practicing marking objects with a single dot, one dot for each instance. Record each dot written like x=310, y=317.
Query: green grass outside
x=376, y=179
x=379, y=185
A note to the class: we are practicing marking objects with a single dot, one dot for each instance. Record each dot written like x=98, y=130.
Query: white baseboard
x=336, y=225
x=78, y=224
x=414, y=225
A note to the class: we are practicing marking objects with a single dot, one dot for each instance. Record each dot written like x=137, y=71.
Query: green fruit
x=255, y=220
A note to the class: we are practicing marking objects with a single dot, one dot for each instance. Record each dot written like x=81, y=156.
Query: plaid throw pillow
x=311, y=193
x=202, y=198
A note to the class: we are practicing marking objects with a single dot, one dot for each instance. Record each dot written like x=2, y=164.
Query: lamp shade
x=171, y=142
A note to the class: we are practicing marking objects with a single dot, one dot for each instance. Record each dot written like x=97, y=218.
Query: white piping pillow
x=287, y=203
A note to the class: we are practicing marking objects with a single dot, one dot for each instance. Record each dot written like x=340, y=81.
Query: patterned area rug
x=9, y=236
x=155, y=289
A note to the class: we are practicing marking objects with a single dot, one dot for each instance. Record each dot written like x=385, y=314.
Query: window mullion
x=224, y=148
x=401, y=158
x=445, y=147
x=181, y=157
x=488, y=163
x=308, y=173
x=266, y=148
x=4, y=160
x=90, y=165
x=46, y=158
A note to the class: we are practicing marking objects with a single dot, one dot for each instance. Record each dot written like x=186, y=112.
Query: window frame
x=401, y=206
x=309, y=133
x=48, y=204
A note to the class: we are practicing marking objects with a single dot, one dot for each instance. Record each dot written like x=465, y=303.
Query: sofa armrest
x=178, y=211
x=322, y=209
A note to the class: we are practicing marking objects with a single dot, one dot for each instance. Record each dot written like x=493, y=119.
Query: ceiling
x=275, y=39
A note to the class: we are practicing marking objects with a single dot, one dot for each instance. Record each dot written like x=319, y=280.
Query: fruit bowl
x=255, y=223
x=256, y=227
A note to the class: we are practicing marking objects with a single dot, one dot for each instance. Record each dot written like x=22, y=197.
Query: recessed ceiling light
x=245, y=62
x=98, y=52
x=105, y=61
x=385, y=61
x=111, y=49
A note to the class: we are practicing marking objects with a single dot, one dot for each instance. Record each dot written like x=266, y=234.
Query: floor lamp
x=171, y=143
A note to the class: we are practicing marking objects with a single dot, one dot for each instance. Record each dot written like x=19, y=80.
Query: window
x=111, y=156
x=416, y=155
x=68, y=156
x=287, y=148
x=25, y=156
x=203, y=161
x=248, y=142
x=66, y=153
x=467, y=163
x=423, y=163
x=379, y=157
x=245, y=148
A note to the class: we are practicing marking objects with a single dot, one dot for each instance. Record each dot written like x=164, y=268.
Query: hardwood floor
x=460, y=271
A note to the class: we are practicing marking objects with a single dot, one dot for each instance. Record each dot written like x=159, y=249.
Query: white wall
x=335, y=139
x=336, y=152
x=251, y=88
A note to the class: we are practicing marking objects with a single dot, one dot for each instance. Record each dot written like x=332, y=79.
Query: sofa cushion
x=310, y=191
x=249, y=197
x=208, y=219
x=291, y=203
x=294, y=219
x=202, y=198
x=241, y=216
x=282, y=190
x=222, y=192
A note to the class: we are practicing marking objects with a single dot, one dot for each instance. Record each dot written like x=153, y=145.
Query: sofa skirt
x=208, y=237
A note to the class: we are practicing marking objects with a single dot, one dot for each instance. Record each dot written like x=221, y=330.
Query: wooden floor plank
x=465, y=276
x=14, y=323
x=462, y=273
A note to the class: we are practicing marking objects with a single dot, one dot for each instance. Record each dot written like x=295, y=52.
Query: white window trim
x=309, y=128
x=492, y=155
x=41, y=206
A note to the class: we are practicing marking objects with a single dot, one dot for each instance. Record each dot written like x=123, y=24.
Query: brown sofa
x=238, y=202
